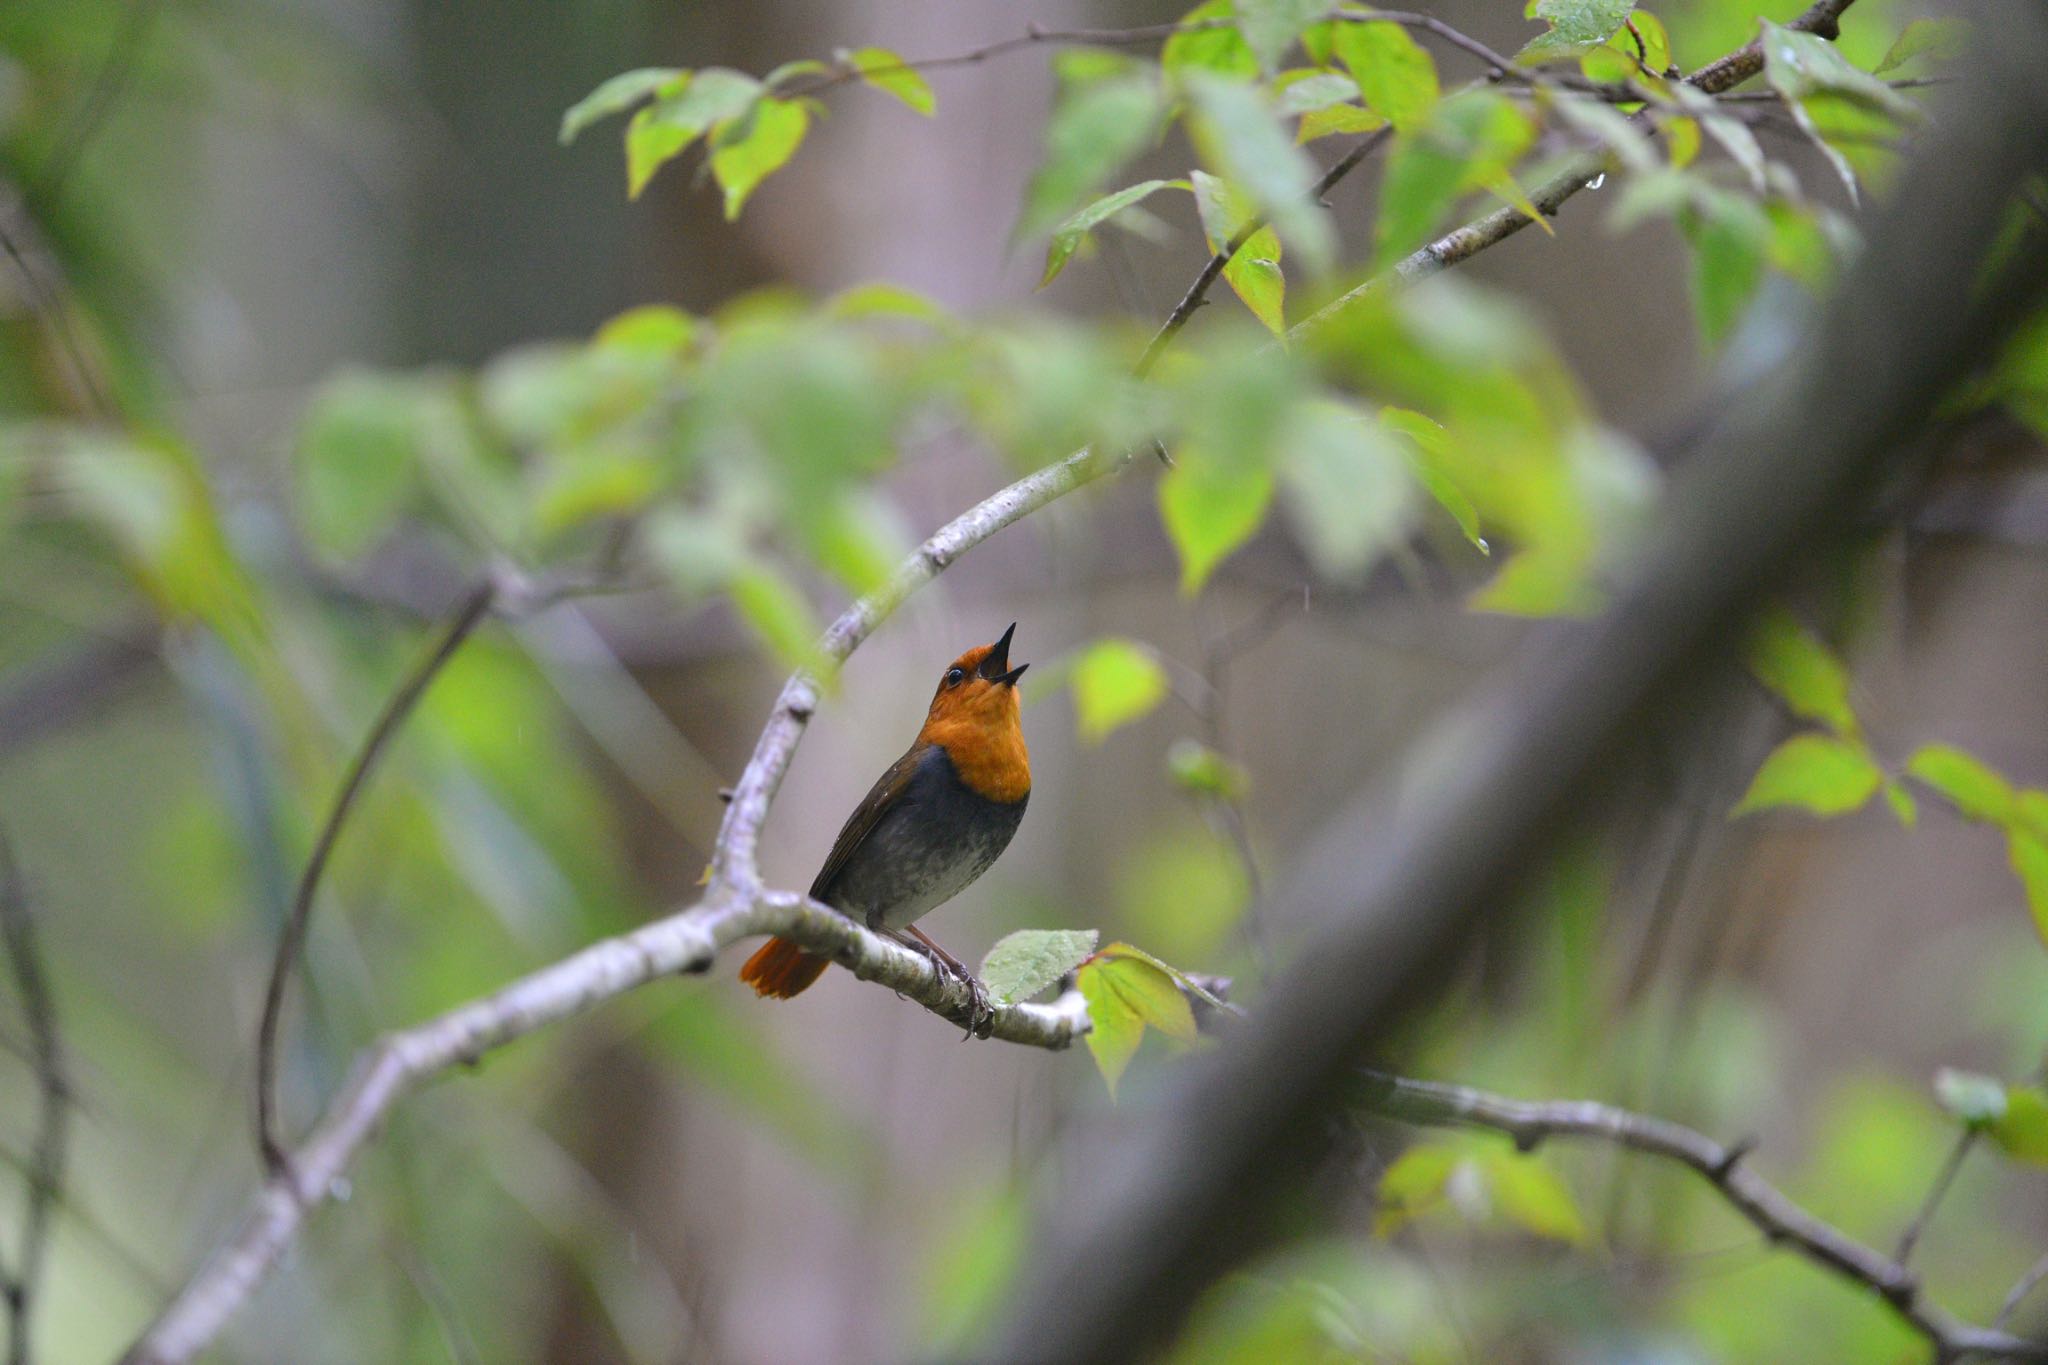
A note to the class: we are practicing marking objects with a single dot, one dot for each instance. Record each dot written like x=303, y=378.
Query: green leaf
x=593, y=484
x=1094, y=129
x=1429, y=461
x=1607, y=125
x=359, y=461
x=1793, y=663
x=1338, y=118
x=759, y=144
x=1197, y=768
x=685, y=112
x=2022, y=1130
x=1533, y=1197
x=1115, y=682
x=652, y=329
x=1271, y=27
x=771, y=604
x=1575, y=24
x=1943, y=40
x=1395, y=75
x=1472, y=141
x=889, y=73
x=1728, y=266
x=1964, y=781
x=1210, y=508
x=1411, y=1185
x=698, y=554
x=1976, y=1100
x=1149, y=987
x=1348, y=490
x=2029, y=856
x=1222, y=49
x=1022, y=964
x=1320, y=90
x=1241, y=139
x=2030, y=812
x=880, y=299
x=1820, y=773
x=1253, y=272
x=1114, y=1028
x=615, y=96
x=1903, y=806
x=1068, y=236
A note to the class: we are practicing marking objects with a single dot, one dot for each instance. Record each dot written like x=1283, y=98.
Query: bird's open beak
x=995, y=665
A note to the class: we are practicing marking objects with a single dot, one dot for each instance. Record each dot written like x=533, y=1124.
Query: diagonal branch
x=1782, y=1221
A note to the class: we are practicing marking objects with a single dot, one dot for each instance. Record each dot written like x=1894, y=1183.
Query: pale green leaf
x=659, y=132
x=1942, y=40
x=1270, y=27
x=615, y=96
x=1395, y=75
x=358, y=461
x=1347, y=487
x=1533, y=1197
x=1068, y=236
x=1022, y=964
x=1253, y=271
x=1197, y=768
x=2022, y=1130
x=1608, y=126
x=1221, y=49
x=756, y=146
x=1242, y=140
x=1576, y=24
x=1800, y=64
x=1964, y=781
x=1115, y=682
x=1320, y=90
x=1793, y=663
x=778, y=613
x=887, y=72
x=1210, y=508
x=1094, y=129
x=1820, y=773
x=1338, y=118
x=1412, y=1184
x=653, y=328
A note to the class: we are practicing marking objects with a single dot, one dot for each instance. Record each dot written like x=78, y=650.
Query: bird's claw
x=981, y=1011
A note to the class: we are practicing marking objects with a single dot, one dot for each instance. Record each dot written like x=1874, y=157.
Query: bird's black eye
x=953, y=676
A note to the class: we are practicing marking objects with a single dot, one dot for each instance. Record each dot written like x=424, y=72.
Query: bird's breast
x=934, y=841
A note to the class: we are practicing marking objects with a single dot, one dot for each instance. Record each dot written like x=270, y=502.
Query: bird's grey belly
x=916, y=859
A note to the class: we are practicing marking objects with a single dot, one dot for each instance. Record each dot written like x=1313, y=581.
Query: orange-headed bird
x=935, y=821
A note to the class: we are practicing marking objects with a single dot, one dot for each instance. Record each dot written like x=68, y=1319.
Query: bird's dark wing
x=890, y=791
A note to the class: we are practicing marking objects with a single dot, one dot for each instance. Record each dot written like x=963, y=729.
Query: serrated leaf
x=1209, y=508
x=1270, y=27
x=1576, y=26
x=2029, y=856
x=1068, y=236
x=889, y=73
x=1338, y=118
x=1793, y=663
x=1944, y=40
x=1114, y=1028
x=1395, y=75
x=614, y=96
x=1964, y=781
x=661, y=131
x=1412, y=1184
x=1115, y=682
x=1348, y=489
x=1149, y=988
x=1976, y=1100
x=1533, y=1197
x=1022, y=964
x=1820, y=773
x=757, y=146
x=2022, y=1130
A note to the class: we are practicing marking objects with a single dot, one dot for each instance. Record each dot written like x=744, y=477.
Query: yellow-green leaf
x=1210, y=508
x=756, y=147
x=1412, y=1184
x=688, y=107
x=1149, y=988
x=889, y=73
x=1395, y=75
x=1820, y=773
x=1533, y=1197
x=2030, y=861
x=1964, y=781
x=1114, y=1028
x=614, y=96
x=1069, y=235
x=1793, y=663
x=1253, y=271
x=1338, y=118
x=2022, y=1130
x=1115, y=682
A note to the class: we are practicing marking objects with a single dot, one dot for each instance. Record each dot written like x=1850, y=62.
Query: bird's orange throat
x=987, y=751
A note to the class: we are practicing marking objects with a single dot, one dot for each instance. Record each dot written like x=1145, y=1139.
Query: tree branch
x=1782, y=1221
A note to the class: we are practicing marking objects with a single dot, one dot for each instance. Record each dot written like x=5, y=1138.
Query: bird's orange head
x=976, y=717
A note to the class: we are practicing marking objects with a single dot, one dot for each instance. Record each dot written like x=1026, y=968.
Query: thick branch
x=1781, y=1220
x=1390, y=892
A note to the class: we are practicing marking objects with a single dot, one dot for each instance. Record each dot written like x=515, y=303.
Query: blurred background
x=215, y=205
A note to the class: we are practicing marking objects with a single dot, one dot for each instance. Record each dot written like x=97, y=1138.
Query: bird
x=934, y=822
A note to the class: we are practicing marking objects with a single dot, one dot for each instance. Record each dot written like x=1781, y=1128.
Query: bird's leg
x=981, y=1015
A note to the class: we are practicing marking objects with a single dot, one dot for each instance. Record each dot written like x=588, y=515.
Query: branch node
x=1730, y=1159
x=1528, y=1140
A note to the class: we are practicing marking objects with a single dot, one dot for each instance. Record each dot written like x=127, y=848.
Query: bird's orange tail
x=781, y=969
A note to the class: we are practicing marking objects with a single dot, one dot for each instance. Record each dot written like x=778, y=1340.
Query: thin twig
x=468, y=615
x=1936, y=1192
x=108, y=85
x=1782, y=1221
x=50, y=307
x=2036, y=1273
x=45, y=1174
